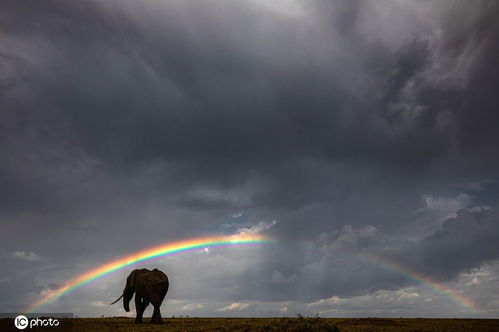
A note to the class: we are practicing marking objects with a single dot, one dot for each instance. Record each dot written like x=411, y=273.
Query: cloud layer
x=338, y=128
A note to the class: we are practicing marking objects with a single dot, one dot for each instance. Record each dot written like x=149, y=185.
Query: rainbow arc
x=169, y=249
x=420, y=278
x=196, y=244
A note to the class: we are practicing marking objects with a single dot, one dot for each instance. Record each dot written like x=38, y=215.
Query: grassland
x=280, y=324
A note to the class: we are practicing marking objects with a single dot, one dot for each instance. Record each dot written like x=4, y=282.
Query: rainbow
x=169, y=249
x=410, y=274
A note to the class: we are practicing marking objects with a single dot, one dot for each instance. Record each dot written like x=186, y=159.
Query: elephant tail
x=117, y=299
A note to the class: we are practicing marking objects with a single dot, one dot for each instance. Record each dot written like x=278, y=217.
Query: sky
x=358, y=135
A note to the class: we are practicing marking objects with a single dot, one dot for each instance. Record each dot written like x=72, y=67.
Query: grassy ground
x=279, y=324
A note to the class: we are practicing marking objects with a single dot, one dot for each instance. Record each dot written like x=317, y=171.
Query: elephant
x=149, y=287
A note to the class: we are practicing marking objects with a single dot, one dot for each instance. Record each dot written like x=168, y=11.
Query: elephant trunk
x=127, y=297
x=129, y=290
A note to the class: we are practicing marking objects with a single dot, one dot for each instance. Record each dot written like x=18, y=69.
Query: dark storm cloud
x=155, y=121
x=161, y=91
x=470, y=239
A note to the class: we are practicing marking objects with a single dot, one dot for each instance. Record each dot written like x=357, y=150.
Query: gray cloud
x=125, y=125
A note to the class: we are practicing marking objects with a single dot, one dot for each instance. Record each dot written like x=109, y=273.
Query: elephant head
x=129, y=289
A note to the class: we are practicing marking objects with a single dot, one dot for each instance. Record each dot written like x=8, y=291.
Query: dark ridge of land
x=271, y=324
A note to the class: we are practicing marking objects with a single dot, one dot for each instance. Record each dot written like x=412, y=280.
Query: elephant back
x=157, y=276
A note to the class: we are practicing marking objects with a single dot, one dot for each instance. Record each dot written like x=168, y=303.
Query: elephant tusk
x=117, y=299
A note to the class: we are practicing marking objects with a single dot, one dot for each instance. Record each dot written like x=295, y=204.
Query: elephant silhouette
x=149, y=287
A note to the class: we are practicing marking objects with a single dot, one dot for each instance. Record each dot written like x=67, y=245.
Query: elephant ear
x=130, y=281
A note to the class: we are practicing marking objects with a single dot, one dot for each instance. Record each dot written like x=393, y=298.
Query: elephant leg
x=139, y=308
x=156, y=316
x=153, y=318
